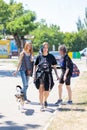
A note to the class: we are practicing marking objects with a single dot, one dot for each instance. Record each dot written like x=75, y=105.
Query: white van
x=84, y=52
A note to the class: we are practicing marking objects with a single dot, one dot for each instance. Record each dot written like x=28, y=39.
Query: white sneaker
x=27, y=101
x=42, y=108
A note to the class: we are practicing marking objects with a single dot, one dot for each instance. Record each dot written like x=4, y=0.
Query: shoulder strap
x=67, y=57
x=41, y=57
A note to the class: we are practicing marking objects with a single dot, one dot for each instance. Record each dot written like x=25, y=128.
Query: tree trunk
x=20, y=41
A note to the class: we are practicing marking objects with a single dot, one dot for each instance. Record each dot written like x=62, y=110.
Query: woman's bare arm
x=55, y=69
x=19, y=63
x=34, y=72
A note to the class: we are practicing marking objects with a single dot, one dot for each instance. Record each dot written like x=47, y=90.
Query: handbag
x=28, y=72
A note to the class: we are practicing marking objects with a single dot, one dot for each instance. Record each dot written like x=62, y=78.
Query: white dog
x=20, y=98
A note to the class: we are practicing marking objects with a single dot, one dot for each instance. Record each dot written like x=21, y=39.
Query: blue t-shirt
x=66, y=63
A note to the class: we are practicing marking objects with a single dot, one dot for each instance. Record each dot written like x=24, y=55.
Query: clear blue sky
x=61, y=12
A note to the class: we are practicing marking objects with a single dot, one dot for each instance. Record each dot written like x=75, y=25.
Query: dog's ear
x=18, y=86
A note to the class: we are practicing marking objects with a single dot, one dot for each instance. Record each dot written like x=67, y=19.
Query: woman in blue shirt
x=66, y=75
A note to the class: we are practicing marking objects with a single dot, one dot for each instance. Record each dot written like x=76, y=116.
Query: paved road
x=10, y=117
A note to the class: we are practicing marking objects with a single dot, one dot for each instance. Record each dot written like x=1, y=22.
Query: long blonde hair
x=26, y=47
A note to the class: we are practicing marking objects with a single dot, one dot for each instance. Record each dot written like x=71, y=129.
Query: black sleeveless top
x=26, y=63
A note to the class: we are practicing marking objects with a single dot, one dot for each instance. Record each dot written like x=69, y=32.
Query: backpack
x=76, y=71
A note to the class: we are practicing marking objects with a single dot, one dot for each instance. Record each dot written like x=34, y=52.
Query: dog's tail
x=18, y=86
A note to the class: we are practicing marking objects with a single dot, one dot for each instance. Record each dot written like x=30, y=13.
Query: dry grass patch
x=73, y=117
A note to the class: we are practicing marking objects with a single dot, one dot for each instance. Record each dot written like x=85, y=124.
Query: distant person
x=25, y=66
x=43, y=66
x=66, y=66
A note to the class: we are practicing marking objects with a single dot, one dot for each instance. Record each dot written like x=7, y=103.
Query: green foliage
x=11, y=2
x=1, y=36
x=50, y=34
x=76, y=41
x=80, y=25
x=22, y=25
x=20, y=22
x=15, y=20
x=81, y=38
x=16, y=11
x=4, y=12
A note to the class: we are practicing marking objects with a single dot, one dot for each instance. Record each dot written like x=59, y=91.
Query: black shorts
x=68, y=79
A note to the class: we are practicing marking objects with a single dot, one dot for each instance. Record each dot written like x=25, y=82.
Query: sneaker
x=42, y=109
x=58, y=102
x=27, y=101
x=23, y=110
x=45, y=104
x=69, y=102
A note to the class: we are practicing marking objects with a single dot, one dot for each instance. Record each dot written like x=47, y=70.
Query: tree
x=11, y=2
x=80, y=25
x=50, y=34
x=4, y=12
x=82, y=32
x=16, y=11
x=76, y=41
x=16, y=21
x=22, y=26
x=4, y=16
x=85, y=19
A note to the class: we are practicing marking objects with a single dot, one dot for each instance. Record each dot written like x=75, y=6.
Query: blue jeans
x=25, y=80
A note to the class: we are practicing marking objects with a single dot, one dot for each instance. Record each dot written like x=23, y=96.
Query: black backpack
x=75, y=72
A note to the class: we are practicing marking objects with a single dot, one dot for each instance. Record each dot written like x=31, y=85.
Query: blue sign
x=13, y=46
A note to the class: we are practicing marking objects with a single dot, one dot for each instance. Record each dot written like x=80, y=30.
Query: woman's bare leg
x=60, y=91
x=41, y=92
x=69, y=92
x=46, y=94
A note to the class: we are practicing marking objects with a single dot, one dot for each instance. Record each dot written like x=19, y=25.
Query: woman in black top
x=67, y=67
x=44, y=63
x=25, y=64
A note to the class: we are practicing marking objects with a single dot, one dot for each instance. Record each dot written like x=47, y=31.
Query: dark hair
x=62, y=48
x=42, y=47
